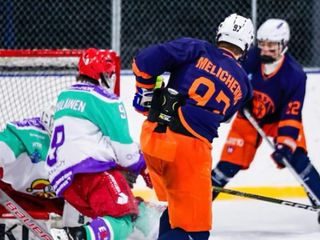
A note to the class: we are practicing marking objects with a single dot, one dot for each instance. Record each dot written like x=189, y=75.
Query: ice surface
x=253, y=219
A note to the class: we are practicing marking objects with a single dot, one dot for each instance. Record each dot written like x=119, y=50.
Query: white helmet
x=47, y=116
x=275, y=30
x=236, y=30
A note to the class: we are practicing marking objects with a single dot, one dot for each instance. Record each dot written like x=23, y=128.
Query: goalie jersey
x=23, y=150
x=90, y=134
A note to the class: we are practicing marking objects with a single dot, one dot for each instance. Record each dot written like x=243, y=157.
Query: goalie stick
x=266, y=199
x=23, y=217
x=285, y=160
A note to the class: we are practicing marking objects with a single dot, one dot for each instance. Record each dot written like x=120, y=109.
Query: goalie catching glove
x=142, y=98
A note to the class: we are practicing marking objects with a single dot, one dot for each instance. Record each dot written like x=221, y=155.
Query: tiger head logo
x=262, y=105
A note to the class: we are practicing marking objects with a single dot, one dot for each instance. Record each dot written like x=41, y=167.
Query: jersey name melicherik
x=213, y=80
x=90, y=134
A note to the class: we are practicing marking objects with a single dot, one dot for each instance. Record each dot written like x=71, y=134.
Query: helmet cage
x=47, y=117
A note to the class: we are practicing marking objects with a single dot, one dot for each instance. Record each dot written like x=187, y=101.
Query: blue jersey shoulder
x=291, y=67
x=293, y=74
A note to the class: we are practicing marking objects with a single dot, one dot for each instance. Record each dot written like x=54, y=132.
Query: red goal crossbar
x=36, y=215
x=56, y=53
x=41, y=53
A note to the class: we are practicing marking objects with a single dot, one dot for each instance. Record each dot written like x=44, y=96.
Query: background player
x=206, y=87
x=279, y=85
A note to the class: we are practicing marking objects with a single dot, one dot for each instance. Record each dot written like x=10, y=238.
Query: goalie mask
x=274, y=31
x=99, y=65
x=47, y=116
x=236, y=30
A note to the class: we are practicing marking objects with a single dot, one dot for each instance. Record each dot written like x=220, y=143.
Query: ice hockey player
x=90, y=138
x=279, y=85
x=23, y=150
x=206, y=87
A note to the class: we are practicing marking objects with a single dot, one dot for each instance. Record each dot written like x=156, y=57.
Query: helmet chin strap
x=285, y=49
x=271, y=67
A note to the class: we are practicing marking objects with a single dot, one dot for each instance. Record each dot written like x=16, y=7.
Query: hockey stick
x=23, y=217
x=285, y=160
x=266, y=199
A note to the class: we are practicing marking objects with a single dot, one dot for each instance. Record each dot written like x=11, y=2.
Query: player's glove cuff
x=143, y=97
x=281, y=152
x=288, y=141
x=142, y=100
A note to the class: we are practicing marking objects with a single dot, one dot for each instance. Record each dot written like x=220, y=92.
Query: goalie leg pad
x=72, y=217
x=222, y=174
x=302, y=165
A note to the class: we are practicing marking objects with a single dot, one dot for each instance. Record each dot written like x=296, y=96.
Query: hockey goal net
x=30, y=79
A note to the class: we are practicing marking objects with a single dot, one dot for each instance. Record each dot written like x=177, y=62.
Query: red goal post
x=30, y=79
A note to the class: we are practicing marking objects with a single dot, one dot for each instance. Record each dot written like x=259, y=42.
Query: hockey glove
x=146, y=177
x=143, y=97
x=142, y=100
x=281, y=151
x=130, y=177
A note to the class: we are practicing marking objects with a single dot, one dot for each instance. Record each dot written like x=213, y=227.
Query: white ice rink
x=258, y=220
x=244, y=220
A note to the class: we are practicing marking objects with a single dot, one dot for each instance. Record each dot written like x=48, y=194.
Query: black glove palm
x=130, y=177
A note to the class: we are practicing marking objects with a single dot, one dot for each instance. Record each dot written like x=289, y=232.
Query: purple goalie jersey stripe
x=88, y=88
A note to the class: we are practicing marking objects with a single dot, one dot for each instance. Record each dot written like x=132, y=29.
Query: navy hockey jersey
x=279, y=96
x=211, y=78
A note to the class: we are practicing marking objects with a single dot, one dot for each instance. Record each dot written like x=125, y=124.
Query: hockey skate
x=76, y=233
x=60, y=234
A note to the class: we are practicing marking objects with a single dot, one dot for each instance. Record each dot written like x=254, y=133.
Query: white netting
x=30, y=79
x=23, y=96
x=28, y=82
